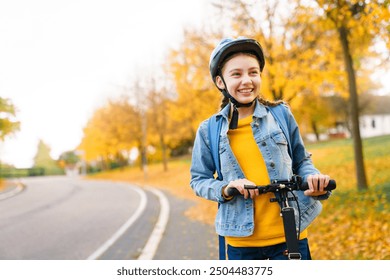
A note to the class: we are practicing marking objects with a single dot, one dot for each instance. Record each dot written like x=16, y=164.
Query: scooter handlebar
x=304, y=186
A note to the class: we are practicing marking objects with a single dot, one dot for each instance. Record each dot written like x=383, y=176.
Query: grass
x=353, y=225
x=336, y=158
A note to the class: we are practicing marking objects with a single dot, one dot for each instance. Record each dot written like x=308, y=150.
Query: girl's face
x=242, y=77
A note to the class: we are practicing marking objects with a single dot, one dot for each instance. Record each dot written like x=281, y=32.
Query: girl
x=253, y=150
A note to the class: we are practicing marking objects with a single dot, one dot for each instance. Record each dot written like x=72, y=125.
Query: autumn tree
x=111, y=133
x=160, y=127
x=359, y=25
x=8, y=124
x=137, y=93
x=197, y=98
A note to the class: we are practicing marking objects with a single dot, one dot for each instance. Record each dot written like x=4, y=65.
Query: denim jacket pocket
x=226, y=158
x=282, y=144
x=235, y=218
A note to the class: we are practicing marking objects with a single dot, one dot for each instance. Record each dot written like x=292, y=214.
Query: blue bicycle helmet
x=228, y=47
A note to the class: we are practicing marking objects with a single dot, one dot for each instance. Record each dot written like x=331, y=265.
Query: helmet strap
x=234, y=119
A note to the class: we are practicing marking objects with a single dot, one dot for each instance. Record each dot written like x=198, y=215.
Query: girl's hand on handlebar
x=239, y=185
x=317, y=184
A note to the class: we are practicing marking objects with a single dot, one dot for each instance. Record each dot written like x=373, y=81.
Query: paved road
x=70, y=218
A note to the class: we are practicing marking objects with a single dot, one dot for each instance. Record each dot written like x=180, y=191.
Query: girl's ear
x=219, y=83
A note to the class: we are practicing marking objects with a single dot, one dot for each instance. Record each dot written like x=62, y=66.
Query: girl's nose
x=246, y=79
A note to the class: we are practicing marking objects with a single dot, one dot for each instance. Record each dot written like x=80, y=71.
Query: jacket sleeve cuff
x=227, y=198
x=323, y=196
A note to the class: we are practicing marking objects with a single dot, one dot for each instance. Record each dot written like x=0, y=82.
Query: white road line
x=122, y=229
x=151, y=246
x=19, y=188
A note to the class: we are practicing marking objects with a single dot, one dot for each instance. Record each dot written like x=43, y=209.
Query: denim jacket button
x=272, y=164
x=264, y=144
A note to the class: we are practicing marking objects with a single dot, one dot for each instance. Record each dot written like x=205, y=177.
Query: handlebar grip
x=331, y=186
x=233, y=192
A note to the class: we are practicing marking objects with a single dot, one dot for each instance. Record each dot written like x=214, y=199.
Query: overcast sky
x=59, y=60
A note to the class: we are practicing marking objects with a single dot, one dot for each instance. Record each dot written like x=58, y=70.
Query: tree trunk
x=354, y=110
x=164, y=153
x=144, y=153
x=315, y=130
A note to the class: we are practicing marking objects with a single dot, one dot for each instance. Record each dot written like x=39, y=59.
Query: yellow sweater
x=268, y=222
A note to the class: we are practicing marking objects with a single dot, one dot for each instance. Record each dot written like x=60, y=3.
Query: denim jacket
x=236, y=217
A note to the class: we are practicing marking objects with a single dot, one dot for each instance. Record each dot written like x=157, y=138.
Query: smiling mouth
x=245, y=91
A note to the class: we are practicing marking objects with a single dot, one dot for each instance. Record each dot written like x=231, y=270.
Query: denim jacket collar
x=260, y=111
